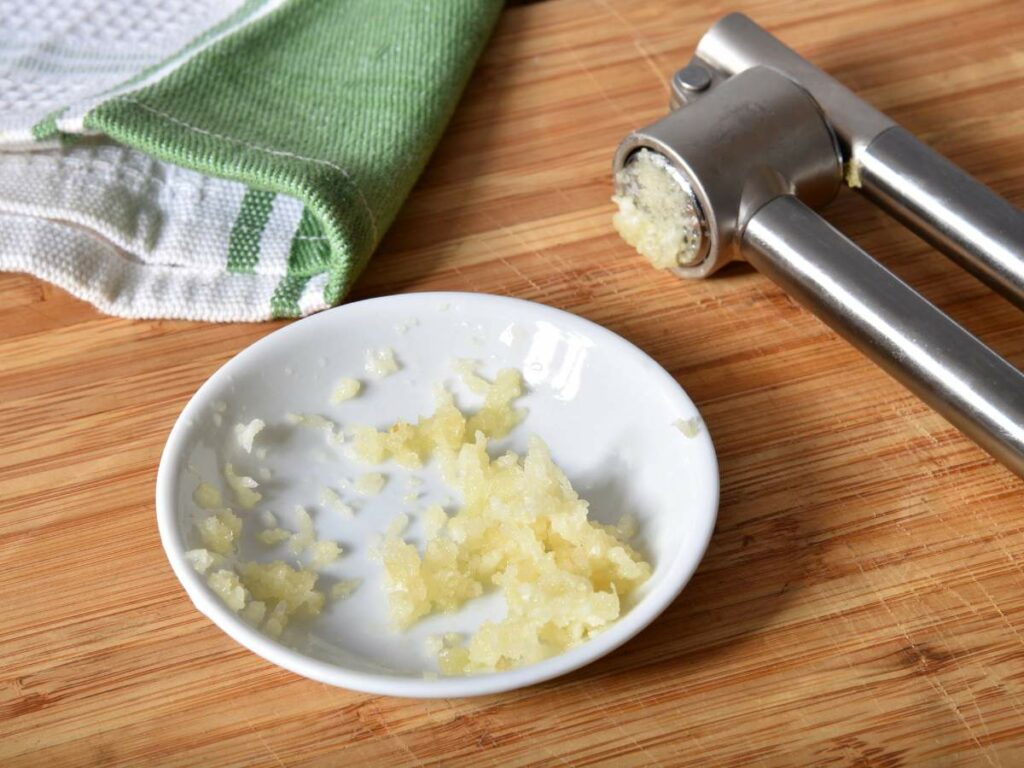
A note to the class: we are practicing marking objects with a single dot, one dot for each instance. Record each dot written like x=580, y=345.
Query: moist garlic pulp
x=658, y=213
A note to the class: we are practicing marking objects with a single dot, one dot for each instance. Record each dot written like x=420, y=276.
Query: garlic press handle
x=910, y=338
x=959, y=215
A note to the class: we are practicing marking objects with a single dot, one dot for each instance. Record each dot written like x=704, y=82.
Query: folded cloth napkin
x=219, y=159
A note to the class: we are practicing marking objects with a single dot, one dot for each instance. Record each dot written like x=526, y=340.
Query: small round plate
x=609, y=413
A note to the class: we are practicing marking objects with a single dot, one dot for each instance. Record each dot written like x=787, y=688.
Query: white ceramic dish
x=605, y=408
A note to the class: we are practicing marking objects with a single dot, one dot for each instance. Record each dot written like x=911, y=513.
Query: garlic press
x=758, y=139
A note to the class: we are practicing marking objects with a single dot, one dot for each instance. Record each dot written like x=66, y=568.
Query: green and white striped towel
x=219, y=159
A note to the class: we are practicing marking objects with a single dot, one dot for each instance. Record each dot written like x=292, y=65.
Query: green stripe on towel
x=244, y=244
x=309, y=256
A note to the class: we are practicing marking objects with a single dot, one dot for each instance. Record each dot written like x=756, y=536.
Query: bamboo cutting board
x=862, y=602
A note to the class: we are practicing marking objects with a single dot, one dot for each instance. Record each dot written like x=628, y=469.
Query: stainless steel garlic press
x=759, y=137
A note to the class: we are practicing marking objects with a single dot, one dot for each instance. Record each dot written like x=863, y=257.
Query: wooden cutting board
x=862, y=602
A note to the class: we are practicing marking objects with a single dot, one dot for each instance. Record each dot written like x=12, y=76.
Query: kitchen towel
x=219, y=160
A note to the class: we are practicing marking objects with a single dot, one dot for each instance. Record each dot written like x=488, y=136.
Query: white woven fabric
x=134, y=236
x=95, y=270
x=64, y=57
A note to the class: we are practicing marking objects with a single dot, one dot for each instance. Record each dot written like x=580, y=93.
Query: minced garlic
x=306, y=535
x=689, y=427
x=250, y=588
x=324, y=553
x=345, y=389
x=370, y=484
x=321, y=552
x=521, y=528
x=434, y=520
x=344, y=588
x=246, y=433
x=291, y=591
x=658, y=212
x=272, y=536
x=254, y=612
x=330, y=499
x=277, y=620
x=207, y=497
x=380, y=362
x=227, y=587
x=220, y=531
x=333, y=433
x=202, y=559
x=255, y=586
x=243, y=487
x=397, y=525
x=444, y=430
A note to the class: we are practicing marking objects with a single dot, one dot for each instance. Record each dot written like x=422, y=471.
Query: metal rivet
x=692, y=77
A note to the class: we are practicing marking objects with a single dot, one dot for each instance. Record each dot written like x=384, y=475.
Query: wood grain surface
x=862, y=602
